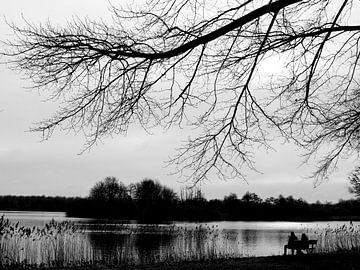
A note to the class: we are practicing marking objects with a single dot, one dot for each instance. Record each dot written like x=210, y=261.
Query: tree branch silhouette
x=199, y=63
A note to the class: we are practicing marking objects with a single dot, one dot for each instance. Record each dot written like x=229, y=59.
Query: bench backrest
x=302, y=244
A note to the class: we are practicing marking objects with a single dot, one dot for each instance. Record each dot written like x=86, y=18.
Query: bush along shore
x=65, y=245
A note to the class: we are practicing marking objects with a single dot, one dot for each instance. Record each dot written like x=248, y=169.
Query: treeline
x=148, y=200
x=37, y=203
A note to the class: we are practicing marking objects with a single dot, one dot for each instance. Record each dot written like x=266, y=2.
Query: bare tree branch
x=199, y=63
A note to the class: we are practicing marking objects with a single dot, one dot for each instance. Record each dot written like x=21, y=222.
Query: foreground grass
x=347, y=260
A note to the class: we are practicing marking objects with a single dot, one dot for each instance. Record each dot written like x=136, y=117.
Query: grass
x=329, y=261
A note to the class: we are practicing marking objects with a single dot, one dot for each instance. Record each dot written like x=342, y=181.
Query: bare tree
x=198, y=63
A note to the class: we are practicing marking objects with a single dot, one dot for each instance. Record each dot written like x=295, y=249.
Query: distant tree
x=290, y=200
x=251, y=198
x=354, y=180
x=167, y=194
x=109, y=189
x=148, y=190
x=271, y=201
x=151, y=190
x=191, y=193
x=154, y=201
x=231, y=204
x=282, y=201
x=231, y=197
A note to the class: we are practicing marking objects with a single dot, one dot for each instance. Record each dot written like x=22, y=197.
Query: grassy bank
x=317, y=261
x=347, y=261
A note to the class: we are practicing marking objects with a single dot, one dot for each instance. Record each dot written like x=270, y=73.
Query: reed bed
x=66, y=243
x=336, y=239
x=200, y=243
x=57, y=243
x=177, y=243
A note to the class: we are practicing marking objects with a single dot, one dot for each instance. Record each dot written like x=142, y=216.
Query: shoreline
x=328, y=261
x=348, y=260
x=295, y=219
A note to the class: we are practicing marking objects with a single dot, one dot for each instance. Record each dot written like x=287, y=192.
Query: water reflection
x=111, y=247
x=145, y=244
x=248, y=237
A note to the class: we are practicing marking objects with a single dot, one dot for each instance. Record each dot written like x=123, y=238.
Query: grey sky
x=28, y=166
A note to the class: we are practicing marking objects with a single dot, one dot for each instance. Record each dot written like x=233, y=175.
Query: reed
x=340, y=238
x=57, y=243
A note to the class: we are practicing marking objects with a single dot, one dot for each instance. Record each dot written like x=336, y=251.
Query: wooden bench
x=298, y=245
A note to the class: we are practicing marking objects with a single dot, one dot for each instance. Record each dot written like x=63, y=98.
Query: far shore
x=152, y=221
x=250, y=207
x=332, y=261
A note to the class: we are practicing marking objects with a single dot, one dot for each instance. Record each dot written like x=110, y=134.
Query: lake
x=114, y=240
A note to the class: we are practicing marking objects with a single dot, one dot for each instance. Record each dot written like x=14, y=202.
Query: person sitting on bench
x=292, y=238
x=303, y=244
x=292, y=244
x=304, y=237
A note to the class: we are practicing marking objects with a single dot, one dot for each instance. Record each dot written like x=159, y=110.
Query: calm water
x=228, y=237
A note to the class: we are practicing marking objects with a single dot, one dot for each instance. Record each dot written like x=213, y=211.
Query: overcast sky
x=31, y=167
